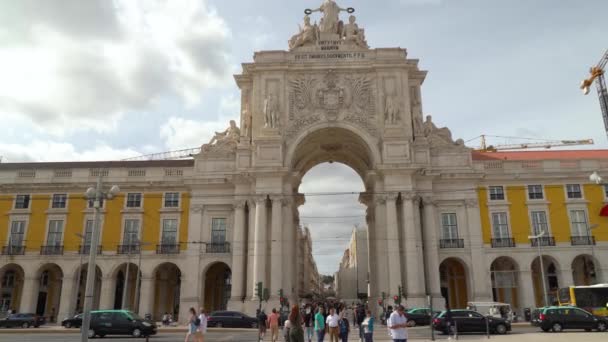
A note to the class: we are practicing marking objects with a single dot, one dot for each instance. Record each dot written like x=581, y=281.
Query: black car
x=23, y=320
x=418, y=316
x=119, y=322
x=558, y=318
x=471, y=321
x=72, y=322
x=231, y=319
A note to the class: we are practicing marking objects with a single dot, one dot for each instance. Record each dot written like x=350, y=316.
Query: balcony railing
x=51, y=250
x=167, y=249
x=127, y=249
x=222, y=247
x=543, y=240
x=503, y=243
x=86, y=249
x=451, y=243
x=584, y=240
x=13, y=250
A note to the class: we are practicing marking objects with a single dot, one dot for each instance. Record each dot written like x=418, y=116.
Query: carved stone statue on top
x=330, y=23
x=271, y=111
x=306, y=36
x=438, y=136
x=226, y=140
x=246, y=123
x=353, y=34
x=391, y=110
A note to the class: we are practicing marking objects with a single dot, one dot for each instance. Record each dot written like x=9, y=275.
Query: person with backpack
x=368, y=327
x=262, y=318
x=194, y=324
x=344, y=328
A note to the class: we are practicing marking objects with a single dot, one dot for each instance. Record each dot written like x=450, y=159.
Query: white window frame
x=504, y=193
x=124, y=227
x=507, y=224
x=29, y=202
x=141, y=200
x=451, y=226
x=53, y=201
x=225, y=218
x=542, y=192
x=48, y=229
x=548, y=230
x=179, y=199
x=25, y=229
x=575, y=198
x=162, y=226
x=586, y=231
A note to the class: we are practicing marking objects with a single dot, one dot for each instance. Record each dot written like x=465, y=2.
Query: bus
x=593, y=298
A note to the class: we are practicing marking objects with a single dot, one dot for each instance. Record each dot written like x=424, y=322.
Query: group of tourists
x=197, y=325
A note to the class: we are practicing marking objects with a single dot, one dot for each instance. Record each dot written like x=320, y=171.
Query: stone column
x=413, y=249
x=525, y=291
x=392, y=245
x=431, y=252
x=29, y=294
x=259, y=246
x=250, y=243
x=238, y=253
x=276, y=247
x=146, y=296
x=67, y=301
x=379, y=241
x=565, y=278
x=482, y=283
x=106, y=297
x=289, y=236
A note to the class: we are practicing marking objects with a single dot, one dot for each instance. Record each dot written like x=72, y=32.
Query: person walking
x=203, y=323
x=273, y=324
x=320, y=325
x=193, y=326
x=368, y=327
x=332, y=323
x=308, y=323
x=296, y=333
x=397, y=323
x=262, y=318
x=344, y=327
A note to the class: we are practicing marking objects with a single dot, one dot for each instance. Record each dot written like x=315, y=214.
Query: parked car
x=231, y=319
x=23, y=320
x=72, y=322
x=558, y=318
x=119, y=322
x=419, y=316
x=471, y=321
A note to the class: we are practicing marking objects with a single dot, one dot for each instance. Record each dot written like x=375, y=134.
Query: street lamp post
x=597, y=179
x=125, y=287
x=542, y=267
x=97, y=196
x=82, y=237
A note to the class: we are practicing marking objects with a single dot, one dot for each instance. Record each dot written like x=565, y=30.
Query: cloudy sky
x=102, y=79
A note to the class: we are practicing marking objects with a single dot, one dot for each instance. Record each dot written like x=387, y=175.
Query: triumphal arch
x=332, y=98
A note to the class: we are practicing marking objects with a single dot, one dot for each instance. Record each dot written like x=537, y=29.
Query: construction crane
x=169, y=155
x=597, y=76
x=534, y=143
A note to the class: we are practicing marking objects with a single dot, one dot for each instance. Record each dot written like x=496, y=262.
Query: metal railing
x=167, y=249
x=582, y=240
x=86, y=249
x=51, y=250
x=543, y=240
x=127, y=249
x=13, y=250
x=451, y=243
x=503, y=242
x=222, y=247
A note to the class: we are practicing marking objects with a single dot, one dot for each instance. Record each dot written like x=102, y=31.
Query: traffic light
x=266, y=294
x=259, y=292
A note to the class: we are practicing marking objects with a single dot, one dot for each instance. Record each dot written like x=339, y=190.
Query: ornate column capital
x=429, y=201
x=260, y=199
x=380, y=199
x=287, y=201
x=391, y=196
x=196, y=208
x=408, y=195
x=276, y=198
x=471, y=203
x=240, y=204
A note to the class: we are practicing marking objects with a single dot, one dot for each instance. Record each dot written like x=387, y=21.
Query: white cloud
x=84, y=64
x=47, y=151
x=178, y=133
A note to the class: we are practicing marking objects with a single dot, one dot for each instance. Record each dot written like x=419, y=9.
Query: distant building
x=308, y=274
x=351, y=278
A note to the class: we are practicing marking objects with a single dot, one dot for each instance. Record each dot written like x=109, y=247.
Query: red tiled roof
x=541, y=155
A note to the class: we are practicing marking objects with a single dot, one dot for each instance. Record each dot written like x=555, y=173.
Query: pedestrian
x=296, y=333
x=193, y=327
x=308, y=323
x=387, y=314
x=332, y=323
x=368, y=327
x=273, y=324
x=320, y=324
x=262, y=324
x=360, y=313
x=449, y=321
x=203, y=325
x=286, y=329
x=344, y=327
x=397, y=323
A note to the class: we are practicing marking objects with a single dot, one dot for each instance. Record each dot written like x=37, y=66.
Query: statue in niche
x=226, y=139
x=246, y=122
x=418, y=124
x=330, y=23
x=306, y=36
x=271, y=111
x=391, y=110
x=353, y=34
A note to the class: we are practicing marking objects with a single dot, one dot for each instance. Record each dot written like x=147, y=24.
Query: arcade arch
x=81, y=281
x=50, y=279
x=584, y=270
x=122, y=280
x=218, y=284
x=167, y=285
x=11, y=287
x=551, y=269
x=454, y=283
x=504, y=274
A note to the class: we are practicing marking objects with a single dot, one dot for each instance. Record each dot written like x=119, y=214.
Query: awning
x=604, y=211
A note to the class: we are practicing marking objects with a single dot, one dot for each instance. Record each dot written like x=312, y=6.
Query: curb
x=61, y=330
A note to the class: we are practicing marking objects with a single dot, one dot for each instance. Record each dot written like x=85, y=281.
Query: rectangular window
x=606, y=190
x=497, y=193
x=22, y=201
x=574, y=191
x=88, y=232
x=55, y=233
x=539, y=222
x=131, y=233
x=134, y=200
x=172, y=200
x=17, y=233
x=449, y=226
x=500, y=225
x=169, y=236
x=218, y=230
x=578, y=220
x=535, y=192
x=59, y=201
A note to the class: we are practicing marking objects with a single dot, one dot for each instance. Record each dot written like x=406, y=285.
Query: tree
x=327, y=279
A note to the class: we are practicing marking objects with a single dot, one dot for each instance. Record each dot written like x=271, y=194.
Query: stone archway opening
x=551, y=283
x=11, y=287
x=584, y=270
x=504, y=271
x=125, y=290
x=81, y=284
x=218, y=284
x=167, y=286
x=454, y=285
x=50, y=279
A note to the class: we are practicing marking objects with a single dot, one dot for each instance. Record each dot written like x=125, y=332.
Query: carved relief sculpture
x=330, y=23
x=306, y=36
x=271, y=111
x=391, y=110
x=224, y=141
x=353, y=34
